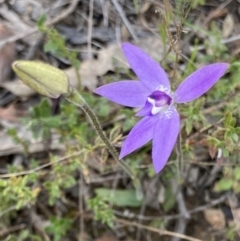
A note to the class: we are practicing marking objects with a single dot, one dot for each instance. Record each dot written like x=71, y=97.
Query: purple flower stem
x=76, y=98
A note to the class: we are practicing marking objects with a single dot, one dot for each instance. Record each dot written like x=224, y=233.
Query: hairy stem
x=74, y=97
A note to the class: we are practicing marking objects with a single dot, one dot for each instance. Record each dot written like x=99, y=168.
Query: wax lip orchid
x=160, y=122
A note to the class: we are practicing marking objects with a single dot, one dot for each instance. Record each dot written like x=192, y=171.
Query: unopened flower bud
x=43, y=78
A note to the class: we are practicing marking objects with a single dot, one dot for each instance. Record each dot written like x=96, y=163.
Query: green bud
x=43, y=78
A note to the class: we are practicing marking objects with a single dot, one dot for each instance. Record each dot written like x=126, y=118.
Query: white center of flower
x=159, y=100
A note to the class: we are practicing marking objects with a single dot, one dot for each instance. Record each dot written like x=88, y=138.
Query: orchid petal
x=141, y=133
x=146, y=110
x=128, y=92
x=148, y=70
x=199, y=82
x=165, y=135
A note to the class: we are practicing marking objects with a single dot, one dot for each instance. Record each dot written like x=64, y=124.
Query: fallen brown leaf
x=109, y=59
x=18, y=88
x=106, y=237
x=10, y=113
x=18, y=26
x=228, y=26
x=236, y=217
x=9, y=146
x=7, y=54
x=215, y=218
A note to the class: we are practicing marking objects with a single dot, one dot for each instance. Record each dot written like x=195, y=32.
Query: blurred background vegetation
x=57, y=179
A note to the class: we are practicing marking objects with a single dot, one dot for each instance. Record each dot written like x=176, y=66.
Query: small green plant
x=194, y=116
x=214, y=44
x=59, y=227
x=196, y=3
x=17, y=191
x=102, y=211
x=230, y=180
x=56, y=45
x=18, y=139
x=231, y=233
x=23, y=236
x=41, y=120
x=61, y=177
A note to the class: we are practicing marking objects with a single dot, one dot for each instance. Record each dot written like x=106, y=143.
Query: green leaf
x=41, y=21
x=225, y=153
x=52, y=47
x=3, y=183
x=236, y=172
x=52, y=122
x=223, y=185
x=59, y=227
x=237, y=130
x=229, y=120
x=42, y=110
x=189, y=126
x=236, y=187
x=120, y=198
x=235, y=137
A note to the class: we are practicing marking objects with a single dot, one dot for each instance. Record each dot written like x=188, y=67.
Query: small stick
x=210, y=204
x=156, y=230
x=124, y=18
x=6, y=231
x=61, y=16
x=182, y=222
x=39, y=167
x=90, y=26
x=80, y=204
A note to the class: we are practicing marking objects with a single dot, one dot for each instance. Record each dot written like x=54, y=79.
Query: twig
x=124, y=18
x=213, y=13
x=105, y=12
x=179, y=155
x=182, y=222
x=104, y=179
x=90, y=26
x=40, y=167
x=146, y=200
x=38, y=224
x=176, y=216
x=210, y=177
x=180, y=200
x=33, y=48
x=156, y=230
x=206, y=21
x=180, y=227
x=11, y=208
x=80, y=204
x=61, y=16
x=201, y=163
x=210, y=204
x=231, y=39
x=6, y=231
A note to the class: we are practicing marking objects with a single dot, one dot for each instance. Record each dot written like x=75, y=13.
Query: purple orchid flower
x=160, y=122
